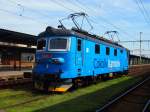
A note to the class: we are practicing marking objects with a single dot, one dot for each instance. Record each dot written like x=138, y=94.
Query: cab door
x=79, y=54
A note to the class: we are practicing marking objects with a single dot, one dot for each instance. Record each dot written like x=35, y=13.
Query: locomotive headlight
x=57, y=60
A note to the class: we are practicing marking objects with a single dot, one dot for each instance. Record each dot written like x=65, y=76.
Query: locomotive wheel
x=79, y=82
x=104, y=77
x=75, y=85
x=46, y=85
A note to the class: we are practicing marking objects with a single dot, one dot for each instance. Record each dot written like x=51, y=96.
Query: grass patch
x=82, y=100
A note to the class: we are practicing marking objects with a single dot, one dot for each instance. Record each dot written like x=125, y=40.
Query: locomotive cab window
x=79, y=45
x=58, y=44
x=41, y=44
x=121, y=51
x=115, y=52
x=107, y=50
x=97, y=49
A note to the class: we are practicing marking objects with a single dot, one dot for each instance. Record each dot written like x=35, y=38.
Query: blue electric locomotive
x=65, y=57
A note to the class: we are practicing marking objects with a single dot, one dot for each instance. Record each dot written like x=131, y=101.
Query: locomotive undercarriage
x=54, y=83
x=51, y=83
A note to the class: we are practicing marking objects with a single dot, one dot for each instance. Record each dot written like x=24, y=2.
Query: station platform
x=7, y=77
x=13, y=73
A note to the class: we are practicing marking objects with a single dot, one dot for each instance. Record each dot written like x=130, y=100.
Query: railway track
x=49, y=95
x=7, y=79
x=15, y=79
x=146, y=107
x=36, y=95
x=25, y=102
x=136, y=99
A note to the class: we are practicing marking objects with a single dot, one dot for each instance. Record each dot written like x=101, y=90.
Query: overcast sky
x=124, y=16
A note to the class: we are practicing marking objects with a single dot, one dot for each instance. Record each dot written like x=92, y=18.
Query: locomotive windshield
x=58, y=44
x=41, y=44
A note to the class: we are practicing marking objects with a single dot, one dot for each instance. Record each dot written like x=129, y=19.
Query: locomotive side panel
x=99, y=58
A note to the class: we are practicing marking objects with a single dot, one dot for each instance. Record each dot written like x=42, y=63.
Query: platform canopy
x=17, y=37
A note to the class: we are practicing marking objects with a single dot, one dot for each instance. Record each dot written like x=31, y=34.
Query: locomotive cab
x=53, y=63
x=52, y=53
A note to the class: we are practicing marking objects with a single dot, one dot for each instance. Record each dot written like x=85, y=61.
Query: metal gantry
x=140, y=41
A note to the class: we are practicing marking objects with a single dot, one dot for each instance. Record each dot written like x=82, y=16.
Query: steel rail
x=146, y=106
x=122, y=95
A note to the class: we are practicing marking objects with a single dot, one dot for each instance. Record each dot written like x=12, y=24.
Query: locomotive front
x=52, y=68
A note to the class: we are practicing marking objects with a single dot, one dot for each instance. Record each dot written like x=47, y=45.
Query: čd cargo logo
x=99, y=63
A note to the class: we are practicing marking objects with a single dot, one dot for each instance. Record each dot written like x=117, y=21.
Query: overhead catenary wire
x=77, y=4
x=90, y=18
x=21, y=14
x=142, y=10
x=74, y=11
x=25, y=17
x=84, y=6
x=56, y=2
x=147, y=14
x=87, y=8
x=77, y=1
x=104, y=19
x=28, y=8
x=62, y=5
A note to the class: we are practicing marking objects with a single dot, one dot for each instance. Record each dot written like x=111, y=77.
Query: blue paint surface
x=81, y=63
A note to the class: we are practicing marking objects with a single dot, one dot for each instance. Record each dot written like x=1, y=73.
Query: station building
x=135, y=60
x=16, y=50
